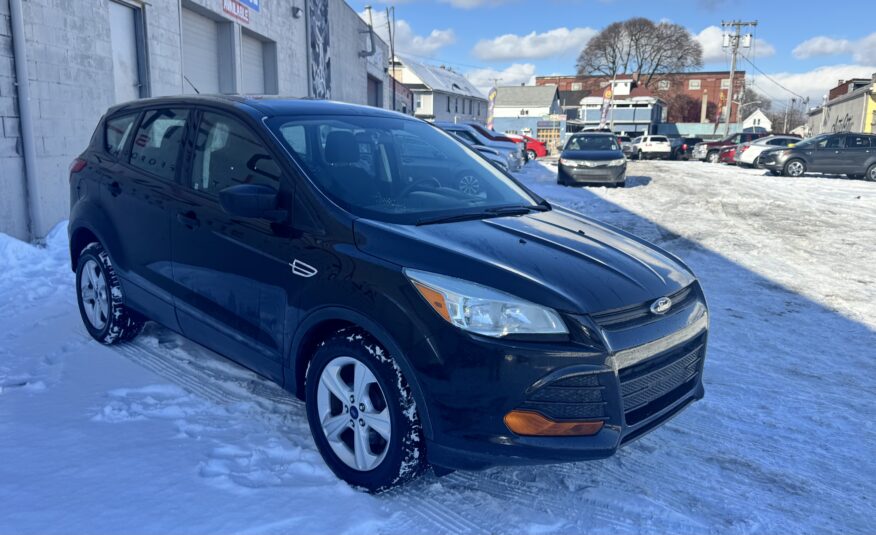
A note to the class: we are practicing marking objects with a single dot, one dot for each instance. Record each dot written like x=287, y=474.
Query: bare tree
x=641, y=48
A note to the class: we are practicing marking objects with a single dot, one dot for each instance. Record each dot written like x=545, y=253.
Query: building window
x=577, y=86
x=448, y=103
x=419, y=102
x=725, y=83
x=663, y=85
x=479, y=112
x=693, y=84
x=456, y=105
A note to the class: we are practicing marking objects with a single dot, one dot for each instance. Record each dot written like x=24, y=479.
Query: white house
x=440, y=94
x=758, y=119
x=527, y=101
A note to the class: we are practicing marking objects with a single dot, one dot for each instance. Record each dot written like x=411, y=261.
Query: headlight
x=617, y=163
x=569, y=163
x=483, y=310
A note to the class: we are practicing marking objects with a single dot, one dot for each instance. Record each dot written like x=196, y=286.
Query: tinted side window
x=118, y=130
x=158, y=142
x=830, y=143
x=227, y=153
x=857, y=142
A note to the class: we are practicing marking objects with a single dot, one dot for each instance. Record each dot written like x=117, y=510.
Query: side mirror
x=253, y=201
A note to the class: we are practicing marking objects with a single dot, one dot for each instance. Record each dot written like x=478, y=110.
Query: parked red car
x=534, y=148
x=727, y=153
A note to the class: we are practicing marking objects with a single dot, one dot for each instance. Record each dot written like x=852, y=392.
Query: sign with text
x=252, y=4
x=236, y=10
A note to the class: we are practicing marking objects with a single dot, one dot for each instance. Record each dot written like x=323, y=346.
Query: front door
x=236, y=290
x=827, y=156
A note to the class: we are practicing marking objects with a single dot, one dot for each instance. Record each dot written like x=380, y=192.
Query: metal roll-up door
x=200, y=53
x=253, y=69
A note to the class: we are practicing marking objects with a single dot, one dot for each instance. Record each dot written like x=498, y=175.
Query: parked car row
x=850, y=154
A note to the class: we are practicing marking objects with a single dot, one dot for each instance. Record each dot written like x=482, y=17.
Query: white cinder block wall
x=69, y=55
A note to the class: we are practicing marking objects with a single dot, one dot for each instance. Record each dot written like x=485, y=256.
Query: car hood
x=557, y=258
x=592, y=155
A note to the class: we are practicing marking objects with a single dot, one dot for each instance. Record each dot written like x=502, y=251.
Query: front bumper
x=772, y=161
x=589, y=175
x=643, y=376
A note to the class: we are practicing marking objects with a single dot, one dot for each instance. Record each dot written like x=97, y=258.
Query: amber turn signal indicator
x=533, y=424
x=435, y=299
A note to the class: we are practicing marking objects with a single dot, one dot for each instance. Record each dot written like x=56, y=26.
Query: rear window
x=658, y=139
x=118, y=130
x=158, y=141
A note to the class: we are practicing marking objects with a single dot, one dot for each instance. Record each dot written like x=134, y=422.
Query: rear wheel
x=101, y=298
x=531, y=155
x=712, y=157
x=795, y=168
x=871, y=173
x=362, y=414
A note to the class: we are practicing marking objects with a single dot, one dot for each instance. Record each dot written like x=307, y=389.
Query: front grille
x=569, y=398
x=622, y=318
x=652, y=385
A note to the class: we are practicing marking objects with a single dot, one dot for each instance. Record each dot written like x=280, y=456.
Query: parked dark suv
x=847, y=153
x=427, y=307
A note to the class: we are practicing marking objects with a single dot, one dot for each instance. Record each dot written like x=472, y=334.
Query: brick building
x=690, y=96
x=83, y=56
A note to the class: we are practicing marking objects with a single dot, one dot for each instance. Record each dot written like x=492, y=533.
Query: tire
x=794, y=168
x=639, y=155
x=712, y=157
x=531, y=155
x=773, y=172
x=871, y=173
x=386, y=401
x=756, y=163
x=102, y=300
x=622, y=184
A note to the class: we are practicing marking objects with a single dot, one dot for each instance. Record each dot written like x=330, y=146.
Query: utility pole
x=390, y=26
x=787, y=110
x=733, y=40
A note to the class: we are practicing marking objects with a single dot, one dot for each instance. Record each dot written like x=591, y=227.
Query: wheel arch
x=88, y=222
x=325, y=321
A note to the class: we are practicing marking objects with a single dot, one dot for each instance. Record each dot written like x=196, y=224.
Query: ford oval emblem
x=661, y=306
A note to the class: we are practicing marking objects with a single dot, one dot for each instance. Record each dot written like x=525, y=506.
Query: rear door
x=137, y=192
x=856, y=153
x=236, y=290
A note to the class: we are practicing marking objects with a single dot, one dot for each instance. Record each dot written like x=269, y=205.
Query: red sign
x=236, y=10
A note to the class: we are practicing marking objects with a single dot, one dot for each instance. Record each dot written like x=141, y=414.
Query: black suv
x=847, y=153
x=429, y=308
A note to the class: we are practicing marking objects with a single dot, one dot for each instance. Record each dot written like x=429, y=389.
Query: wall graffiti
x=320, y=49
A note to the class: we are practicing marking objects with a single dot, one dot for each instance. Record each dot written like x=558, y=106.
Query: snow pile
x=163, y=436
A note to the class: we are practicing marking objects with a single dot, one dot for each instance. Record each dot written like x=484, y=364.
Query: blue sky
x=806, y=48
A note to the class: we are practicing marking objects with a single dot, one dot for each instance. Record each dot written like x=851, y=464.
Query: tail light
x=77, y=165
x=743, y=148
x=684, y=147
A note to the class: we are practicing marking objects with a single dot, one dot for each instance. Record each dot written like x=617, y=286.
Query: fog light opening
x=532, y=424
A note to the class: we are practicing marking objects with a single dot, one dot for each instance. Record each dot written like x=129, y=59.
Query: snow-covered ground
x=162, y=436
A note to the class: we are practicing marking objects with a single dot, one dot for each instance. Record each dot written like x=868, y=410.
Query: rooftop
x=440, y=78
x=526, y=96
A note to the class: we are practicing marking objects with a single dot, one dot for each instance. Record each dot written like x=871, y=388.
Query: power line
x=771, y=79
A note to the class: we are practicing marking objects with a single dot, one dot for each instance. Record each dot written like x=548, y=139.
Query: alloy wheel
x=94, y=295
x=353, y=413
x=871, y=174
x=795, y=168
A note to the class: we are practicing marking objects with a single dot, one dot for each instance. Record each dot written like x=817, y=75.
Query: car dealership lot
x=164, y=436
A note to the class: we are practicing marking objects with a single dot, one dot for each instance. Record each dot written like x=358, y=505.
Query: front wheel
x=871, y=173
x=362, y=414
x=531, y=155
x=712, y=157
x=795, y=168
x=101, y=298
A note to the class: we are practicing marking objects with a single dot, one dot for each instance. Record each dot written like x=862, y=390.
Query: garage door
x=253, y=58
x=123, y=37
x=200, y=53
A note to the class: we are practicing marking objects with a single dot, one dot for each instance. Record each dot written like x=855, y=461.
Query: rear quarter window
x=118, y=130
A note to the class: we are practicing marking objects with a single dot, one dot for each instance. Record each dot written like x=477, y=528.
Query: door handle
x=115, y=189
x=188, y=219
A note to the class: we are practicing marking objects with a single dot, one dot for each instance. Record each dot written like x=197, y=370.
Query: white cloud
x=408, y=42
x=813, y=84
x=534, y=45
x=712, y=40
x=862, y=51
x=516, y=74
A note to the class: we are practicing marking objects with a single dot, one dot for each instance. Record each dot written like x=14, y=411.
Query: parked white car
x=650, y=147
x=748, y=154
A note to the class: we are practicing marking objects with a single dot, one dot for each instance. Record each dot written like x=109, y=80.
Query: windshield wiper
x=499, y=211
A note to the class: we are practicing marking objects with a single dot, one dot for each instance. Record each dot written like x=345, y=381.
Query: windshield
x=592, y=143
x=812, y=141
x=396, y=170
